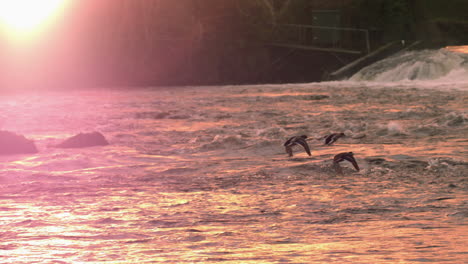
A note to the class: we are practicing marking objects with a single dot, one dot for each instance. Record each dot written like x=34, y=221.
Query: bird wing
x=328, y=139
x=338, y=158
x=288, y=142
x=303, y=143
x=353, y=161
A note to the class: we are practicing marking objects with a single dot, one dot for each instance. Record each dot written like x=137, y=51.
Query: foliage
x=222, y=41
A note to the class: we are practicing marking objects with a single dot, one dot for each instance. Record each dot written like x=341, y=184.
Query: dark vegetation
x=202, y=42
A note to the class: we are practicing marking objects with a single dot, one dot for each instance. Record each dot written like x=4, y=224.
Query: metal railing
x=341, y=39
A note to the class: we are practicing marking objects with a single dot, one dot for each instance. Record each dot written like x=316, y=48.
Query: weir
x=433, y=65
x=379, y=54
x=341, y=42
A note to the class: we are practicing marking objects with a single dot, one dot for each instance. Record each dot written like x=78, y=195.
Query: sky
x=33, y=51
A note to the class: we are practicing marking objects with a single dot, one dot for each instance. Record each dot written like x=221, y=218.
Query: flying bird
x=348, y=156
x=297, y=140
x=332, y=138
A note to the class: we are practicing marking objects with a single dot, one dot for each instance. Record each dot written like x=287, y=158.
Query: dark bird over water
x=332, y=138
x=296, y=140
x=349, y=156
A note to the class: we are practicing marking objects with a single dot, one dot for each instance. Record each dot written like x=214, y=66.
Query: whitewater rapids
x=199, y=175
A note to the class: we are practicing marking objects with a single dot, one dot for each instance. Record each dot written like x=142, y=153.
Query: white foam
x=395, y=128
x=441, y=69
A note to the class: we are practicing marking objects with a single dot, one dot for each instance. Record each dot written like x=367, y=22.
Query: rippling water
x=199, y=175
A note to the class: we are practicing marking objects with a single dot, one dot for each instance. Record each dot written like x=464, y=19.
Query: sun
x=25, y=17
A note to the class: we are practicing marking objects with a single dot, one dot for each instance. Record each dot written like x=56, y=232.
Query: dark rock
x=83, y=140
x=11, y=143
x=152, y=115
x=317, y=97
x=375, y=160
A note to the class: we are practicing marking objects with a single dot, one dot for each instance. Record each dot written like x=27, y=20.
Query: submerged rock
x=316, y=97
x=11, y=143
x=83, y=140
x=376, y=160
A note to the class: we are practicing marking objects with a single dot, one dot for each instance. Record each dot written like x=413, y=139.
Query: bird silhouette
x=332, y=138
x=297, y=140
x=348, y=156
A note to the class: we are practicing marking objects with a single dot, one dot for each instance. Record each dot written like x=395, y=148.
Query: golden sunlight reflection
x=184, y=180
x=22, y=18
x=461, y=49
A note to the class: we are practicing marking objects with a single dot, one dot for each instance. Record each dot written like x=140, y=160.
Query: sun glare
x=461, y=49
x=25, y=17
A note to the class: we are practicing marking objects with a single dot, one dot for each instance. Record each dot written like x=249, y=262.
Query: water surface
x=199, y=175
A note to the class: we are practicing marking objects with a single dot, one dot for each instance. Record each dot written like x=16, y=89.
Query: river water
x=199, y=174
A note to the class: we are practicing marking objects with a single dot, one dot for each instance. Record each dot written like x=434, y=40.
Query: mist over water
x=199, y=174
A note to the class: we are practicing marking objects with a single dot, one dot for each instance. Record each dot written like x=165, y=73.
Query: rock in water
x=83, y=140
x=11, y=143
